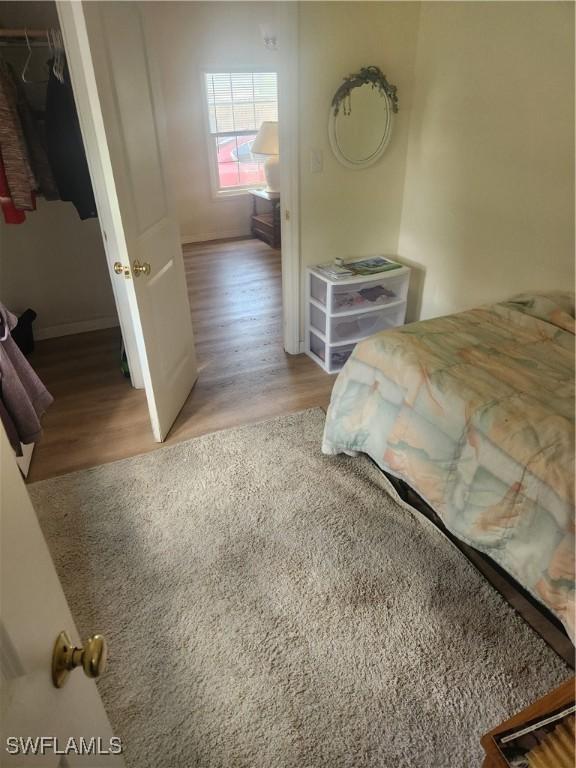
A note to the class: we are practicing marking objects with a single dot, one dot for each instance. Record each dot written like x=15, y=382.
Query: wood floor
x=245, y=375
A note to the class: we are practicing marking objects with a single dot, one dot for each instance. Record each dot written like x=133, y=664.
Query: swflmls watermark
x=52, y=745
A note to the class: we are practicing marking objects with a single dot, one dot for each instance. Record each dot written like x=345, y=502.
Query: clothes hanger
x=28, y=58
x=50, y=51
x=27, y=63
x=59, y=56
x=54, y=51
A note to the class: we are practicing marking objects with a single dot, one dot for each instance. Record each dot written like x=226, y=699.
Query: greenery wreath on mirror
x=367, y=76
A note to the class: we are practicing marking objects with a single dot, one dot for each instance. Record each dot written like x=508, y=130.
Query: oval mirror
x=360, y=123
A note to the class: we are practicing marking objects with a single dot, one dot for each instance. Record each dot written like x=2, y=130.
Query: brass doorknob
x=66, y=657
x=120, y=269
x=140, y=269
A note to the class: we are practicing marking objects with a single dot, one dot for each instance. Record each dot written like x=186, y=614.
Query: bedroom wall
x=189, y=38
x=489, y=192
x=346, y=212
x=53, y=262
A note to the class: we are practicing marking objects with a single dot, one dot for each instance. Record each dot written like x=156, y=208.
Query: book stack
x=334, y=271
x=371, y=266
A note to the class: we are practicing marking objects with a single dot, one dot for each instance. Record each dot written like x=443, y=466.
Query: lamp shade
x=266, y=141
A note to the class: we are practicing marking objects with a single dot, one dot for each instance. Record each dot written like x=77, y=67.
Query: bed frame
x=534, y=613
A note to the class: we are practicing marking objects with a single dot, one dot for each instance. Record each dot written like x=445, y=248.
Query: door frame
x=288, y=130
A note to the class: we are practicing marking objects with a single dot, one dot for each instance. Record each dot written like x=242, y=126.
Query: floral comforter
x=475, y=411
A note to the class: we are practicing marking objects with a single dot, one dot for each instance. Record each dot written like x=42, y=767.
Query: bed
x=475, y=412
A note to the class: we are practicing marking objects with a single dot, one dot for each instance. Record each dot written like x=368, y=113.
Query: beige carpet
x=270, y=607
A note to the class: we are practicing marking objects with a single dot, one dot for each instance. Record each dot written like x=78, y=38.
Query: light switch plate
x=316, y=161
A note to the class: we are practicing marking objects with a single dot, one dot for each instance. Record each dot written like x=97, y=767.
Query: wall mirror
x=360, y=122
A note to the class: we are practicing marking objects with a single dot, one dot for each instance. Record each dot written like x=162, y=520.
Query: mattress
x=475, y=411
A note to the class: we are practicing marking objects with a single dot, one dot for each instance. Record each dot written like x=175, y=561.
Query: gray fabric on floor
x=271, y=607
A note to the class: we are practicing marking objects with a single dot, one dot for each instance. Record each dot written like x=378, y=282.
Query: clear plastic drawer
x=336, y=356
x=317, y=347
x=339, y=356
x=362, y=324
x=371, y=293
x=318, y=289
x=317, y=319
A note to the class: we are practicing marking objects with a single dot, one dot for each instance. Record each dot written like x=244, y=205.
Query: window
x=238, y=103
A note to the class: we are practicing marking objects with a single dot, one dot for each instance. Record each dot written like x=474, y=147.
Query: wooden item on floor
x=265, y=225
x=553, y=701
x=342, y=312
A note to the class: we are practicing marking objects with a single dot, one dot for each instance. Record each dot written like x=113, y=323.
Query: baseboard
x=69, y=329
x=204, y=237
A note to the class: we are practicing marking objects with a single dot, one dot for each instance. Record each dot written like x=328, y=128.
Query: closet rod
x=23, y=33
x=37, y=38
x=23, y=44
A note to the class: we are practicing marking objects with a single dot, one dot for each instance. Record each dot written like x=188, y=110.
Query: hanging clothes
x=66, y=148
x=34, y=136
x=18, y=171
x=23, y=397
x=11, y=214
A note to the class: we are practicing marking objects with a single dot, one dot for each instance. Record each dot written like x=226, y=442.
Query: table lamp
x=266, y=144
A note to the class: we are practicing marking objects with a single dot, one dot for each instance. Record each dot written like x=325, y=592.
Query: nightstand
x=265, y=224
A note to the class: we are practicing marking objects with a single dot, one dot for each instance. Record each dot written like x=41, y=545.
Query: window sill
x=233, y=193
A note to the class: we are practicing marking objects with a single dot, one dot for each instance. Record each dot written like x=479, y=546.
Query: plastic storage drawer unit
x=340, y=313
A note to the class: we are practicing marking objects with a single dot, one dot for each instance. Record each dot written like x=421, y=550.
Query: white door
x=122, y=118
x=33, y=611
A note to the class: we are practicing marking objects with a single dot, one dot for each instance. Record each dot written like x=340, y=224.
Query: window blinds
x=238, y=102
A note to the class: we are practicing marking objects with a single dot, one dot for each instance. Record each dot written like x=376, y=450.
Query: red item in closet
x=11, y=214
